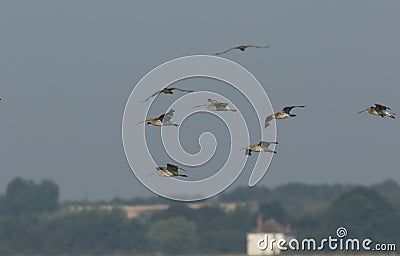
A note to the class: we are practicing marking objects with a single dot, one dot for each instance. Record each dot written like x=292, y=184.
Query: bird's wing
x=268, y=120
x=264, y=144
x=258, y=46
x=220, y=107
x=172, y=168
x=221, y=104
x=212, y=101
x=287, y=109
x=154, y=94
x=161, y=118
x=182, y=90
x=379, y=107
x=269, y=150
x=219, y=53
x=167, y=116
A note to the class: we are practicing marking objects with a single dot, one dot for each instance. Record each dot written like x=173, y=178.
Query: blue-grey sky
x=67, y=69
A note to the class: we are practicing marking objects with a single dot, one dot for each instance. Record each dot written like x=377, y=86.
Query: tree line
x=33, y=221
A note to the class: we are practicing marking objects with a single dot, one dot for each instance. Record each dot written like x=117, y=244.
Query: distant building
x=266, y=234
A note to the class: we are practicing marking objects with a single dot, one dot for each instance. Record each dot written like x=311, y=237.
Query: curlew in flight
x=163, y=120
x=170, y=171
x=285, y=113
x=216, y=106
x=242, y=48
x=262, y=146
x=379, y=110
x=167, y=90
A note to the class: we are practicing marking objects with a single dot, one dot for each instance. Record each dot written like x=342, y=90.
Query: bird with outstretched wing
x=162, y=120
x=170, y=170
x=216, y=106
x=242, y=48
x=284, y=113
x=166, y=90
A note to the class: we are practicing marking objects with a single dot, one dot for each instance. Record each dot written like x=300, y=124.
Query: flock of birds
x=172, y=170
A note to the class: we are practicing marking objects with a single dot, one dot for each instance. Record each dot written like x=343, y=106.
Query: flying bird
x=163, y=120
x=242, y=48
x=216, y=106
x=262, y=146
x=170, y=171
x=379, y=110
x=167, y=90
x=285, y=113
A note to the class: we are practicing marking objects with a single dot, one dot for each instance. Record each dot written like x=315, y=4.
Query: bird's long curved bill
x=198, y=106
x=141, y=122
x=150, y=174
x=362, y=111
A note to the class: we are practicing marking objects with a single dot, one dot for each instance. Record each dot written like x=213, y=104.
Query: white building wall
x=254, y=240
